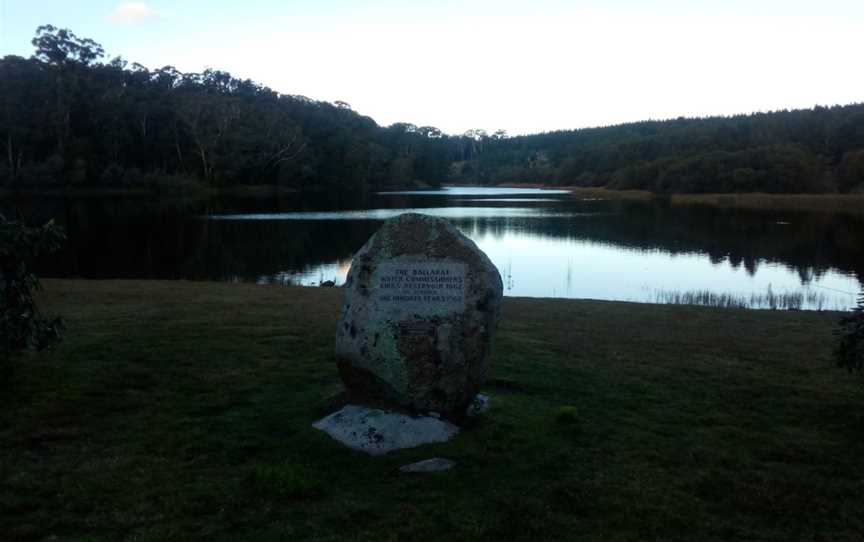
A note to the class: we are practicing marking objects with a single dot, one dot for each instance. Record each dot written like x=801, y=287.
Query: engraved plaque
x=416, y=329
x=426, y=287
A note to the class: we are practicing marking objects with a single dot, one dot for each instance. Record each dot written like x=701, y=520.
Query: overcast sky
x=522, y=66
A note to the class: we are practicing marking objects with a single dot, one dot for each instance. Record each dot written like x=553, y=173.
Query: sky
x=524, y=67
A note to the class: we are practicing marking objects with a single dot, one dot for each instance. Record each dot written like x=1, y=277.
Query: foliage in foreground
x=849, y=352
x=21, y=326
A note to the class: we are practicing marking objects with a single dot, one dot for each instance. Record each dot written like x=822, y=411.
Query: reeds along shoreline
x=801, y=300
x=842, y=203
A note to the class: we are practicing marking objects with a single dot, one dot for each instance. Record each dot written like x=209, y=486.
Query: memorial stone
x=420, y=310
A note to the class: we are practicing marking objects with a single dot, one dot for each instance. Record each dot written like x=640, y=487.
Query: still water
x=545, y=244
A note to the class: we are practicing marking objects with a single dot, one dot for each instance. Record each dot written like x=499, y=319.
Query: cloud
x=132, y=12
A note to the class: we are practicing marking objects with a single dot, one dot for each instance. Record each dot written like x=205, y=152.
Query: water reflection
x=384, y=214
x=521, y=200
x=455, y=191
x=547, y=246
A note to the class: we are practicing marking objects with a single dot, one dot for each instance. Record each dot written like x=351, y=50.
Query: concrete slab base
x=436, y=464
x=377, y=431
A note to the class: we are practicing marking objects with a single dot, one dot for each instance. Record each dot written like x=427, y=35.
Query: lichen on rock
x=421, y=306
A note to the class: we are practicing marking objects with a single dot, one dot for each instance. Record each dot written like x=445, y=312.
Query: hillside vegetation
x=70, y=118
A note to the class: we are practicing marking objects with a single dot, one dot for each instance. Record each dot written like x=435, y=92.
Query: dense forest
x=71, y=118
x=815, y=150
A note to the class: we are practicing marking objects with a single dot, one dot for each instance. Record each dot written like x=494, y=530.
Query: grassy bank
x=182, y=411
x=836, y=203
x=585, y=192
x=580, y=192
x=846, y=203
x=189, y=189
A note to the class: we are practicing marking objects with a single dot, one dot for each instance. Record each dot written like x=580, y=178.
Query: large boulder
x=421, y=306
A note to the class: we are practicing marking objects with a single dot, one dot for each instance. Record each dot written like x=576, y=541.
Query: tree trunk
x=11, y=159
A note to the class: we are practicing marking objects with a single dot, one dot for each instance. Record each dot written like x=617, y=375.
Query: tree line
x=68, y=118
x=71, y=118
x=815, y=150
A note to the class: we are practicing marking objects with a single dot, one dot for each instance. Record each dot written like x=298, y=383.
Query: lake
x=545, y=243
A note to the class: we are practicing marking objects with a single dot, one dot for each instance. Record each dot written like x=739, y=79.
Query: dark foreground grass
x=181, y=411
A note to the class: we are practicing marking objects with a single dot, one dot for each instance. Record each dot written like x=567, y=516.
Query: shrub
x=21, y=326
x=849, y=352
x=567, y=414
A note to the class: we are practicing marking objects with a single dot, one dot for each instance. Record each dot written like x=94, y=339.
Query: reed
x=800, y=300
x=844, y=203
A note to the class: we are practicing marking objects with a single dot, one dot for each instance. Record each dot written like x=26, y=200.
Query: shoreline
x=848, y=203
x=781, y=305
x=845, y=203
x=256, y=190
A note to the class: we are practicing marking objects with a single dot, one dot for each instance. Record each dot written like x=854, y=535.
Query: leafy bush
x=567, y=414
x=849, y=352
x=21, y=326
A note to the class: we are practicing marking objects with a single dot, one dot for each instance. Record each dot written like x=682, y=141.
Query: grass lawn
x=834, y=203
x=182, y=411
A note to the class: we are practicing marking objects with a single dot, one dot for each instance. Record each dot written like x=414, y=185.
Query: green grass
x=182, y=411
x=833, y=203
x=759, y=201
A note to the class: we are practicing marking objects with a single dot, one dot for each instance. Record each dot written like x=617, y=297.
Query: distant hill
x=70, y=119
x=810, y=150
